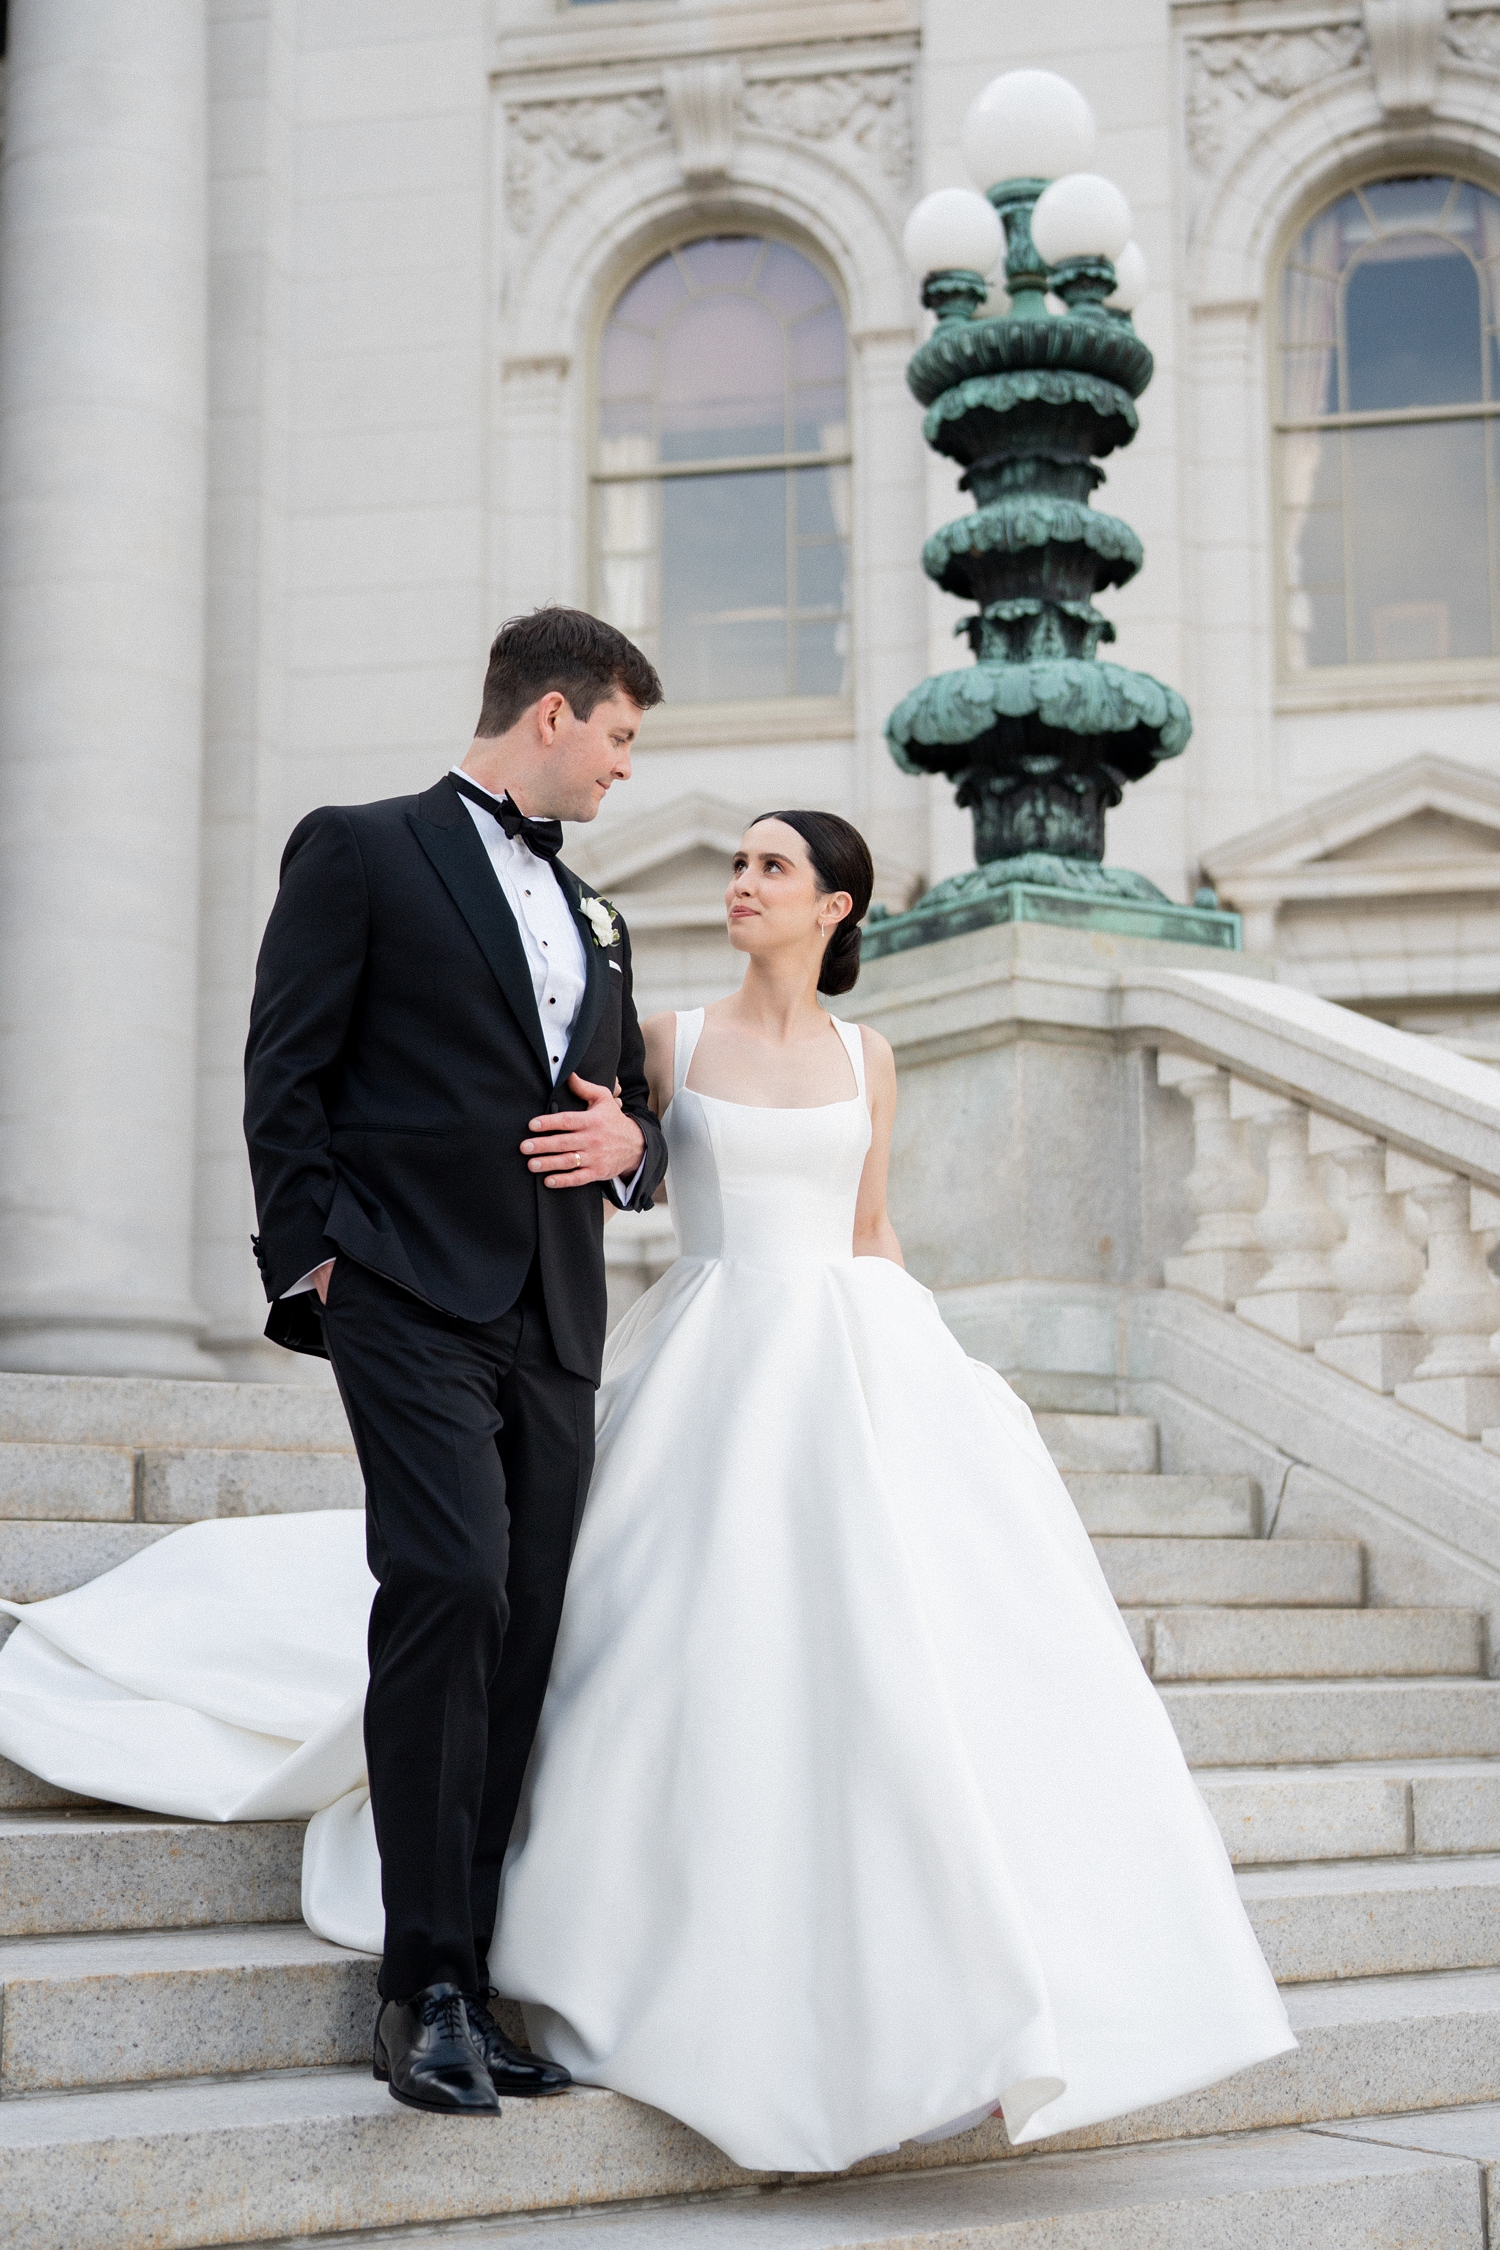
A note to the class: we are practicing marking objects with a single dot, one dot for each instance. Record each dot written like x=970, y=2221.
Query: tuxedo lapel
x=449, y=838
x=596, y=975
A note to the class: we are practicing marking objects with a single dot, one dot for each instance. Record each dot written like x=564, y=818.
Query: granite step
x=140, y=1412
x=21, y=1791
x=1327, y=1722
x=97, y=1483
x=1115, y=1504
x=1308, y=1644
x=174, y=2165
x=1375, y=1918
x=1101, y=1441
x=1249, y=2191
x=129, y=2008
x=191, y=1485
x=1366, y=2045
x=80, y=1483
x=1234, y=1573
x=1375, y=1809
x=38, y=1560
x=71, y=1873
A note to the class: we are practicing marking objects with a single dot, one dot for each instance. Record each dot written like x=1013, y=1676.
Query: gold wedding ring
x=577, y=1159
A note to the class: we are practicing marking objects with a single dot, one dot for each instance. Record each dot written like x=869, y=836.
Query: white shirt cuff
x=300, y=1288
x=624, y=1191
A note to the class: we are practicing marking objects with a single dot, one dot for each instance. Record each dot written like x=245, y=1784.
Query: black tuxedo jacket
x=396, y=1057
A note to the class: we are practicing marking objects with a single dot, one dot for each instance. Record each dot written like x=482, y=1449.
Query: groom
x=444, y=1079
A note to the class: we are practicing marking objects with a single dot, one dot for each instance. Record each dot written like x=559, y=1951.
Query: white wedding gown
x=853, y=1812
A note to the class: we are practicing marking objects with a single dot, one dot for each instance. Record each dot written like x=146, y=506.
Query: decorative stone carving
x=1475, y=40
x=703, y=105
x=868, y=111
x=1228, y=76
x=1405, y=37
x=547, y=140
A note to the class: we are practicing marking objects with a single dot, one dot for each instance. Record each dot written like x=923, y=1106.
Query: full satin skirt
x=853, y=1813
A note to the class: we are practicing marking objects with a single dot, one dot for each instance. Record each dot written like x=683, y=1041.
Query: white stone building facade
x=319, y=356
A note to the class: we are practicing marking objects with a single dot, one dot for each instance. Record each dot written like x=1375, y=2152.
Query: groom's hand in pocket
x=579, y=1147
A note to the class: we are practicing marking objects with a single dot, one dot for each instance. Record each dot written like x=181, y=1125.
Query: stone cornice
x=594, y=78
x=643, y=35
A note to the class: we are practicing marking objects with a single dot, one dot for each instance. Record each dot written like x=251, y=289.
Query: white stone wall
x=418, y=214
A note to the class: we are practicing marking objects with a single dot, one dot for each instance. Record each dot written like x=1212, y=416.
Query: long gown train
x=852, y=1813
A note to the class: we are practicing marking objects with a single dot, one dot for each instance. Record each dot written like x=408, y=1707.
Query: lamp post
x=1039, y=735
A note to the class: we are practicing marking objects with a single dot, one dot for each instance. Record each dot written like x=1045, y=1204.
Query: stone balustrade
x=1323, y=1233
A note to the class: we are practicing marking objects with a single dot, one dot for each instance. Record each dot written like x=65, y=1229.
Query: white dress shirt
x=552, y=941
x=549, y=933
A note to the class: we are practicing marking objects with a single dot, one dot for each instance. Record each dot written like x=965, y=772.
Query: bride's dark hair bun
x=841, y=862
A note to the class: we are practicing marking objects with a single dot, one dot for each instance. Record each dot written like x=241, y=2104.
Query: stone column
x=102, y=453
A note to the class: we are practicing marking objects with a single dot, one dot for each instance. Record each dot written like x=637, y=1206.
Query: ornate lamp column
x=1038, y=734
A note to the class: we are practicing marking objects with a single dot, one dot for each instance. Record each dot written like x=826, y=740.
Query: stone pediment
x=1427, y=825
x=1380, y=894
x=668, y=867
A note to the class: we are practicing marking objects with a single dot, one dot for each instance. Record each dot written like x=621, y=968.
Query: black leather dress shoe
x=512, y=2069
x=426, y=2054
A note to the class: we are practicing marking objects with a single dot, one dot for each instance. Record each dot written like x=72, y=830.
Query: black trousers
x=476, y=1447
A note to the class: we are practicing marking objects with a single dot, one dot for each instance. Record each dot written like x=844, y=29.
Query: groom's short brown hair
x=566, y=652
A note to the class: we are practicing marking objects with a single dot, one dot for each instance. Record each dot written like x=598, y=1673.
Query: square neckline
x=766, y=1109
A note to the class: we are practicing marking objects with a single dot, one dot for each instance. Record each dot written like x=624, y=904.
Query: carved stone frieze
x=866, y=112
x=1475, y=39
x=545, y=141
x=1229, y=76
x=863, y=116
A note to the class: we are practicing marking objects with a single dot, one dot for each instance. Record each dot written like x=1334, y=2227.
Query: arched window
x=1388, y=434
x=721, y=476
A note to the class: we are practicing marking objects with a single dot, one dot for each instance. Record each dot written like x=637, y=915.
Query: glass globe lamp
x=953, y=242
x=1081, y=215
x=1027, y=124
x=1132, y=279
x=950, y=230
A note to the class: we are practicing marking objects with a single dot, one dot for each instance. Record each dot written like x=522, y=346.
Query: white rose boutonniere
x=600, y=917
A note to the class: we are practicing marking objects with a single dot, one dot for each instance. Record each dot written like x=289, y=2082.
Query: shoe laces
x=447, y=2007
x=478, y=2005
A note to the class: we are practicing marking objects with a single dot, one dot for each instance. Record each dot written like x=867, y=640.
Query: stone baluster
x=1377, y=1265
x=1484, y=1218
x=1296, y=1299
x=1457, y=1306
x=1221, y=1258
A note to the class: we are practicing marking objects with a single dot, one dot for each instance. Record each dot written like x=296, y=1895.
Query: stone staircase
x=183, y=2064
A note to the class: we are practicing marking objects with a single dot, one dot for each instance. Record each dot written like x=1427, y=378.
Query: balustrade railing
x=1322, y=1234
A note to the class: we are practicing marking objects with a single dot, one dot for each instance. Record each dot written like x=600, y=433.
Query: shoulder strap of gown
x=855, y=1048
x=689, y=1026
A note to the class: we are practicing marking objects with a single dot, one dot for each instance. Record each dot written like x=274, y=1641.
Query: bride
x=852, y=1815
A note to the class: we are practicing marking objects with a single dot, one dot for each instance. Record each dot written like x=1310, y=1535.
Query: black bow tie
x=544, y=837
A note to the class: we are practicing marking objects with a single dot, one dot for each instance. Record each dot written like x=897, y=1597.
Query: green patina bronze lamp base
x=1076, y=894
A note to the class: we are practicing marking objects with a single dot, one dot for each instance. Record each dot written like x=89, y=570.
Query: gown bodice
x=765, y=1187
